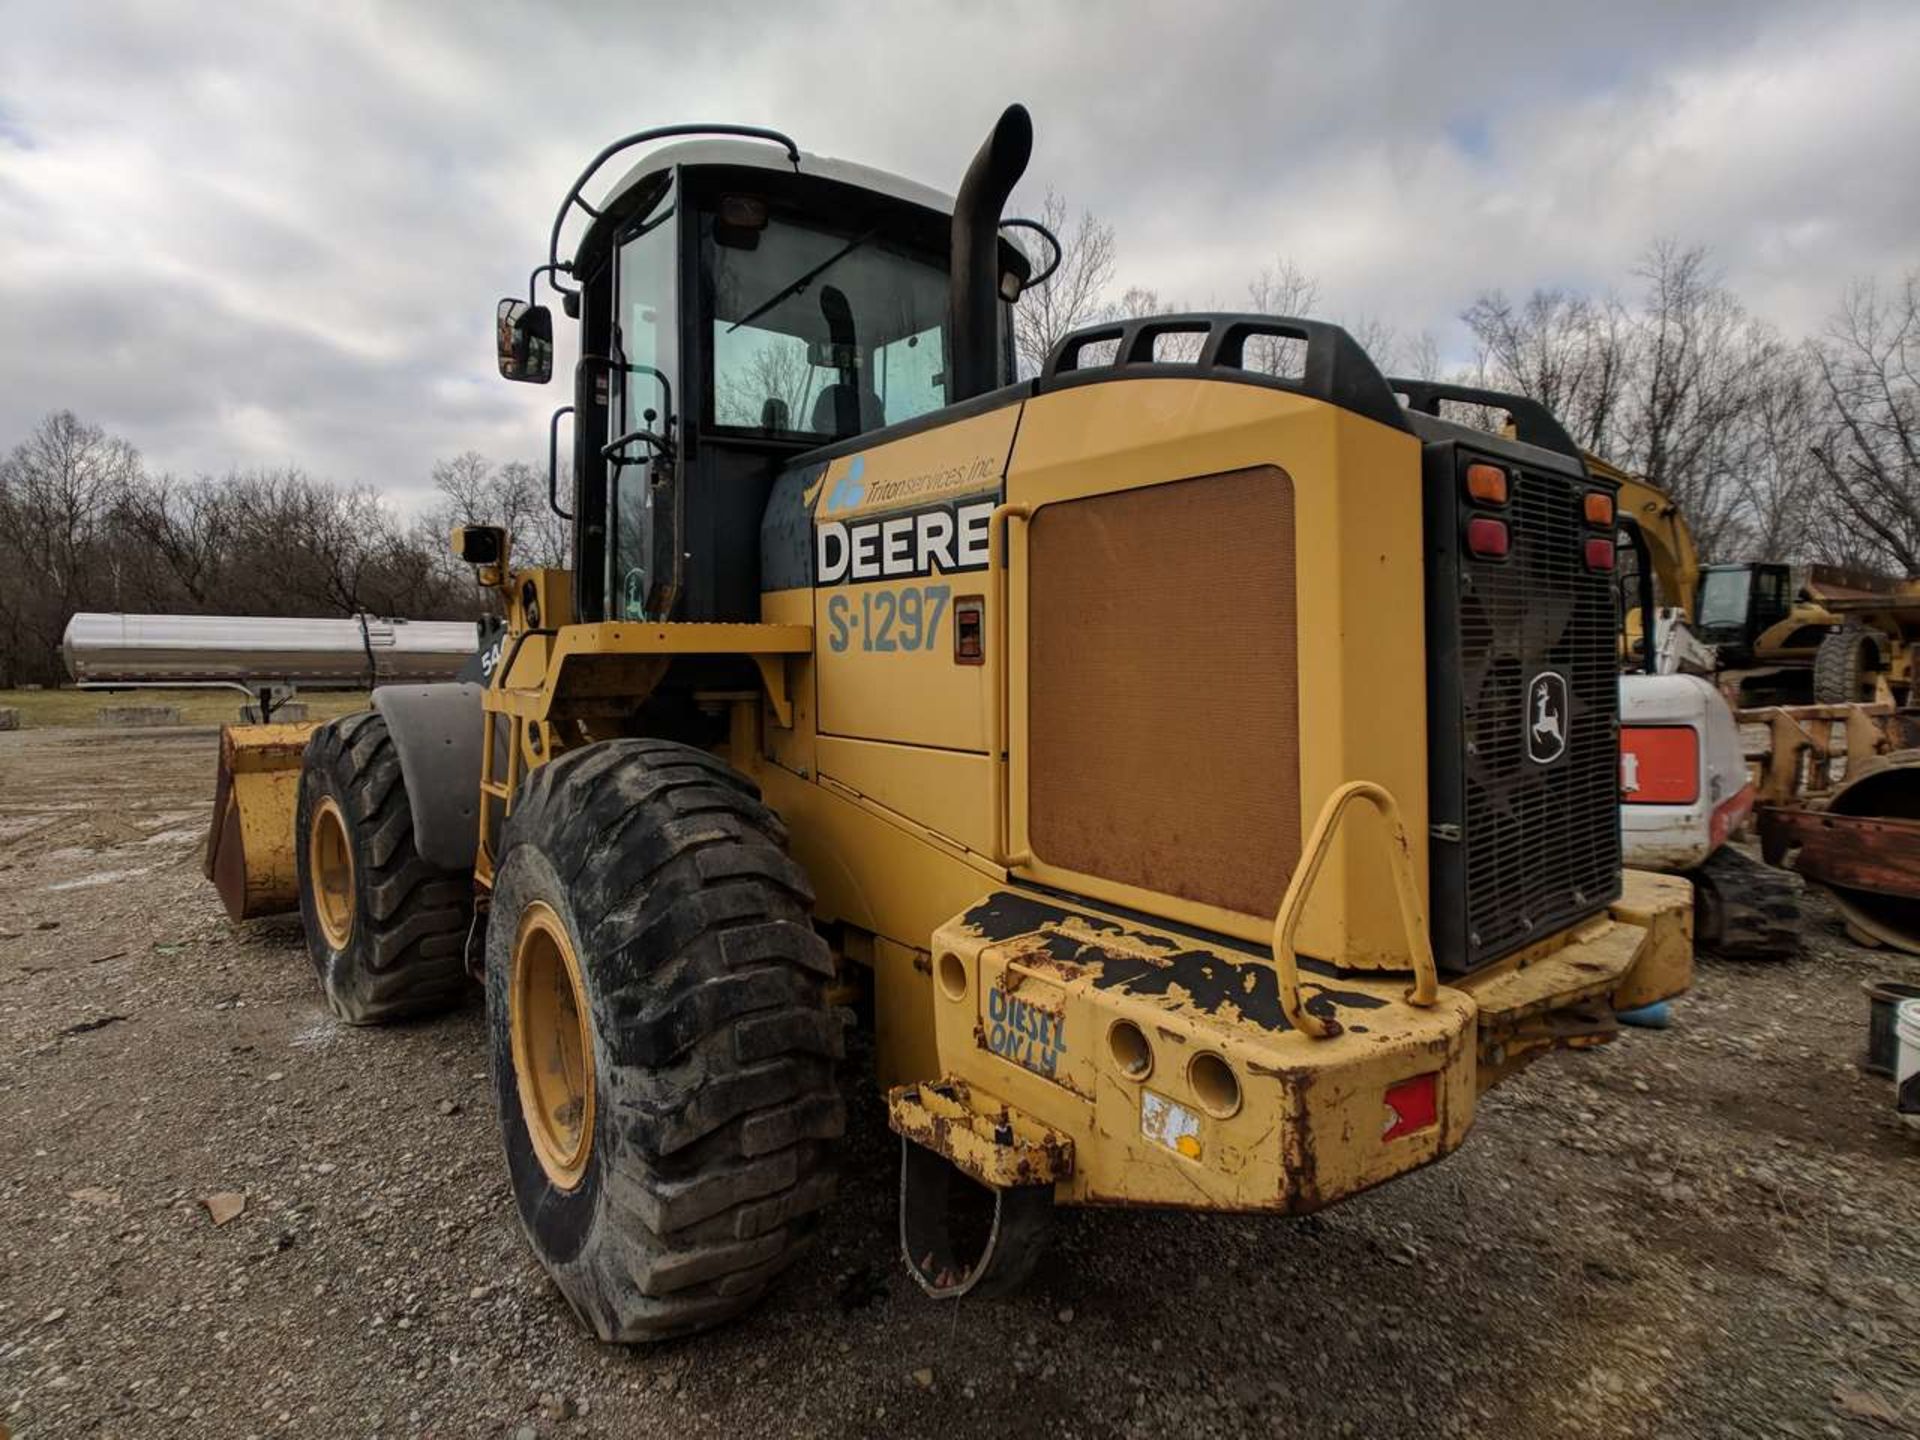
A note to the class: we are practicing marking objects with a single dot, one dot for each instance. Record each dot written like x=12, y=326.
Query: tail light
x=1488, y=538
x=1487, y=483
x=1600, y=553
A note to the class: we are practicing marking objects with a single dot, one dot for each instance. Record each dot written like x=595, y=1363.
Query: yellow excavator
x=1200, y=774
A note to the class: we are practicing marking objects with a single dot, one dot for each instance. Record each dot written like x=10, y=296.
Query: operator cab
x=741, y=304
x=1738, y=604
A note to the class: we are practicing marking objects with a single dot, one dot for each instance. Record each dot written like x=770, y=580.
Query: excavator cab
x=1738, y=604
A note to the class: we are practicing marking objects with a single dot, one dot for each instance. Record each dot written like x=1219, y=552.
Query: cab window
x=819, y=333
x=1723, y=597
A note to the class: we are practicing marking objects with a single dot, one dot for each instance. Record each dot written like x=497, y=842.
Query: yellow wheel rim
x=548, y=1020
x=330, y=872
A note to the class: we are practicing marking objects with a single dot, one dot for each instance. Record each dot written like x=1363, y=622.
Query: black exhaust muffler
x=973, y=305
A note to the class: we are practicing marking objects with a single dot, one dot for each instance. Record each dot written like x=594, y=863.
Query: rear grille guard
x=1537, y=845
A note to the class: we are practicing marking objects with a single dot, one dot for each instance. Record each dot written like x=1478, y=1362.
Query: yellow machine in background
x=1201, y=778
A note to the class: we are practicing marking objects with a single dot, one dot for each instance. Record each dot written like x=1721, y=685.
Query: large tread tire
x=715, y=1105
x=406, y=952
x=1845, y=665
x=1743, y=910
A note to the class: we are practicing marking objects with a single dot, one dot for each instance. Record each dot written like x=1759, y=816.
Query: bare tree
x=59, y=490
x=1282, y=289
x=1680, y=384
x=475, y=491
x=1075, y=294
x=1568, y=351
x=1869, y=445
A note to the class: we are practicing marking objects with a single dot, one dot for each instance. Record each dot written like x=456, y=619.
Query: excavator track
x=1744, y=910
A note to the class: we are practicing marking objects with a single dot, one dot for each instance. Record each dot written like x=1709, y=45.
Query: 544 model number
x=888, y=621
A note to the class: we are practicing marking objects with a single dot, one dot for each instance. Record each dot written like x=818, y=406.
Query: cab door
x=637, y=376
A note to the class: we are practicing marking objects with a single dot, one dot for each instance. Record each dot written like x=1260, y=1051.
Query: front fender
x=438, y=730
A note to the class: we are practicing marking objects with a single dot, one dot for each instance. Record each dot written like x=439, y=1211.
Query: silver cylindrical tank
x=257, y=649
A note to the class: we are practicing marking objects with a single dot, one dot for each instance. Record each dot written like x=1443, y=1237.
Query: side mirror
x=480, y=544
x=523, y=341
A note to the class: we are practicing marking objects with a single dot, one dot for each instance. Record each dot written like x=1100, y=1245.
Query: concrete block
x=132, y=715
x=9, y=717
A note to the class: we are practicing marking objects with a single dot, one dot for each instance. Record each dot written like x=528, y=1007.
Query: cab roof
x=760, y=155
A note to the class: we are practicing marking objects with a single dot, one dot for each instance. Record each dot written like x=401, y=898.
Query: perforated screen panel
x=1163, y=717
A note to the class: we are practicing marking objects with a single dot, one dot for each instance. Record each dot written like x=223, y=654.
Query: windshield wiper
x=795, y=286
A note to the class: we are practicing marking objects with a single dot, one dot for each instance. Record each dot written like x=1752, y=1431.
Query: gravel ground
x=1704, y=1231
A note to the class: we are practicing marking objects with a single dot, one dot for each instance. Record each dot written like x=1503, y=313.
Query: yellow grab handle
x=1426, y=983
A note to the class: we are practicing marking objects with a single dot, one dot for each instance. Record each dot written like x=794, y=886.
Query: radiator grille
x=1541, y=841
x=1162, y=703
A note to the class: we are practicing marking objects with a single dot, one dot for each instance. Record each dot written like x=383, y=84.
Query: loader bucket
x=250, y=845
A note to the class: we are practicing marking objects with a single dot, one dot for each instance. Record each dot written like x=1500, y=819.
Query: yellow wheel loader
x=1197, y=768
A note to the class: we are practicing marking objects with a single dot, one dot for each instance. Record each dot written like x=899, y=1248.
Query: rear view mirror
x=523, y=341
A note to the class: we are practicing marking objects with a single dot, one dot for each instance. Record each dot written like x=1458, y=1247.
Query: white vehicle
x=1685, y=789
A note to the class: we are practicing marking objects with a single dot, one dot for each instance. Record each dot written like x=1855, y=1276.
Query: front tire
x=663, y=1050
x=385, y=930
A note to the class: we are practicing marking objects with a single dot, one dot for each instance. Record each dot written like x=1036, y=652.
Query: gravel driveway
x=1704, y=1231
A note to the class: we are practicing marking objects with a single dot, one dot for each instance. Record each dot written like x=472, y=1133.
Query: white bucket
x=1906, y=1065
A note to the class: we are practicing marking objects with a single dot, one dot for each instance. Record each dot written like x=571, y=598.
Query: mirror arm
x=562, y=267
x=553, y=463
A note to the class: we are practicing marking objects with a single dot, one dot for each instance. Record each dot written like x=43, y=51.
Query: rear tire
x=707, y=1089
x=1847, y=663
x=385, y=930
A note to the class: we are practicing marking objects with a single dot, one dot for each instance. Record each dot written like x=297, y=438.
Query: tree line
x=1781, y=448
x=84, y=525
x=1775, y=447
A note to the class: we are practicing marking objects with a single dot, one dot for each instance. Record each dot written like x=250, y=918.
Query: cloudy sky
x=272, y=234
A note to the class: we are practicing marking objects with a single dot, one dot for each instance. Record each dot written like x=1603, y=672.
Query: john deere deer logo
x=1547, y=717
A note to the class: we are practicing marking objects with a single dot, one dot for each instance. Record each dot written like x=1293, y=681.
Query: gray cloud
x=271, y=235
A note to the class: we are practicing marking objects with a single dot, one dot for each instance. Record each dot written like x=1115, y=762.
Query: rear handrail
x=999, y=555
x=1286, y=960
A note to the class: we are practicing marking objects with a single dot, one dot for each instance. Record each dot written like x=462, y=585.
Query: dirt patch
x=1709, y=1230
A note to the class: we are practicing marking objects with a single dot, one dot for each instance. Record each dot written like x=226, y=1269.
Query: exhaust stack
x=973, y=305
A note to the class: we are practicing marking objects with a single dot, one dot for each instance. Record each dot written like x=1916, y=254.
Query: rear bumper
x=1152, y=1069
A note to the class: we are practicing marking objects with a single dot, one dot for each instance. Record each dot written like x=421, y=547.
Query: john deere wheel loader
x=1203, y=773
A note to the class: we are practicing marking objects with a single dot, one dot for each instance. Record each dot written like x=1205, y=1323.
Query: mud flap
x=948, y=1132
x=1016, y=1239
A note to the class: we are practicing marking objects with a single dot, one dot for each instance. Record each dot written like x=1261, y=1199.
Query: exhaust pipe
x=973, y=304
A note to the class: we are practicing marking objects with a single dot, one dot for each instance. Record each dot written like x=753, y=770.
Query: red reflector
x=1411, y=1105
x=1600, y=554
x=1487, y=536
